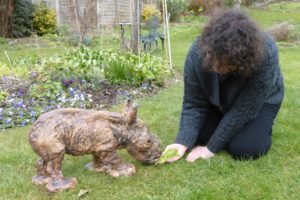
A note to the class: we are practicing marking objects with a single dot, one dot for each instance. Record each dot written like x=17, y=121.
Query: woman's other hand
x=199, y=152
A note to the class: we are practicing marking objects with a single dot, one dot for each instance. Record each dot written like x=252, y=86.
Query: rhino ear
x=132, y=114
x=126, y=106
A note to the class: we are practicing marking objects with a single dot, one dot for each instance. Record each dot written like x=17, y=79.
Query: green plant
x=229, y=3
x=84, y=60
x=247, y=2
x=19, y=68
x=47, y=89
x=129, y=68
x=3, y=96
x=62, y=31
x=79, y=64
x=3, y=41
x=22, y=18
x=200, y=6
x=44, y=19
x=50, y=36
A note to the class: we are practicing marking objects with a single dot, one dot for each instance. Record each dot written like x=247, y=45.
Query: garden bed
x=84, y=78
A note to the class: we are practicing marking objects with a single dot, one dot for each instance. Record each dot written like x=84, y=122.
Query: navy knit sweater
x=238, y=97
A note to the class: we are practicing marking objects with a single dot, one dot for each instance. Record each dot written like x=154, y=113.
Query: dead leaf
x=82, y=193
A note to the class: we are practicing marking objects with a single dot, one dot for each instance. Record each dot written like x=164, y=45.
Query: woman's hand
x=181, y=149
x=199, y=152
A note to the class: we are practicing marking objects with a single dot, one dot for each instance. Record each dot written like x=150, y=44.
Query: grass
x=285, y=7
x=274, y=176
x=277, y=13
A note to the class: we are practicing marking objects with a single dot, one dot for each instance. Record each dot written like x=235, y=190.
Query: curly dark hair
x=231, y=41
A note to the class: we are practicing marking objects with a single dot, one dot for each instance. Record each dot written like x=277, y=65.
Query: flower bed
x=84, y=78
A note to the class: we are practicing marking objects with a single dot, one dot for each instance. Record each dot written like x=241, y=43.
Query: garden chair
x=152, y=25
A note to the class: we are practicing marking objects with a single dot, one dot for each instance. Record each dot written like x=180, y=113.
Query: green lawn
x=275, y=176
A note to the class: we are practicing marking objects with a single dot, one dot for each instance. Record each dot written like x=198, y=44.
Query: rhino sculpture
x=79, y=132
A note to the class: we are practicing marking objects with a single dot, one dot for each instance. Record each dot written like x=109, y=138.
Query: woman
x=233, y=89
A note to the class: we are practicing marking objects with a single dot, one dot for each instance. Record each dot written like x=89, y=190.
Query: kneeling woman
x=233, y=89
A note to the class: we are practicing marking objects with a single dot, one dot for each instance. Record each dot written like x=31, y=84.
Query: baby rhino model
x=101, y=133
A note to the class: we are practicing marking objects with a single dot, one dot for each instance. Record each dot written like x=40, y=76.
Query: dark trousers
x=253, y=141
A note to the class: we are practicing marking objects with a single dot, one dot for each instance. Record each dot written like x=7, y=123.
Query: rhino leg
x=42, y=177
x=58, y=181
x=112, y=164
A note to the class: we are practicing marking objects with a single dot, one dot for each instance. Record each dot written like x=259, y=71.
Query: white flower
x=76, y=97
x=82, y=97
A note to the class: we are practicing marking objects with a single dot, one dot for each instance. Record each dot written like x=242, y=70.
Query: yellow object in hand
x=170, y=153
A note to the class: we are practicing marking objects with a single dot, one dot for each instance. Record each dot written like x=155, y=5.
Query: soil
x=108, y=95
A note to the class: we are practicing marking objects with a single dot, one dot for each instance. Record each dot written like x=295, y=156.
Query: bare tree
x=6, y=10
x=81, y=20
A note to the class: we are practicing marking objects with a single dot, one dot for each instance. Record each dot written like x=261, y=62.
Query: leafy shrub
x=22, y=18
x=200, y=6
x=196, y=6
x=63, y=31
x=150, y=11
x=116, y=67
x=85, y=62
x=247, y=2
x=129, y=68
x=44, y=19
x=229, y=3
x=176, y=8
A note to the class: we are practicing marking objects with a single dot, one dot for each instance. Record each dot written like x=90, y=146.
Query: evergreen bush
x=22, y=18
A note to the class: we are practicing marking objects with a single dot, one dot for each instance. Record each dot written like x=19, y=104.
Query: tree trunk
x=135, y=28
x=6, y=10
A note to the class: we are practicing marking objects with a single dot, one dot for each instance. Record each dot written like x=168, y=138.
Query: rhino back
x=80, y=131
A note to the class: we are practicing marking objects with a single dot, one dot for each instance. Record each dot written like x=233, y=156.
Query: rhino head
x=141, y=143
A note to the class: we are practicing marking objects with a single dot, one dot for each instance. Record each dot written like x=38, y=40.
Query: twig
x=11, y=67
